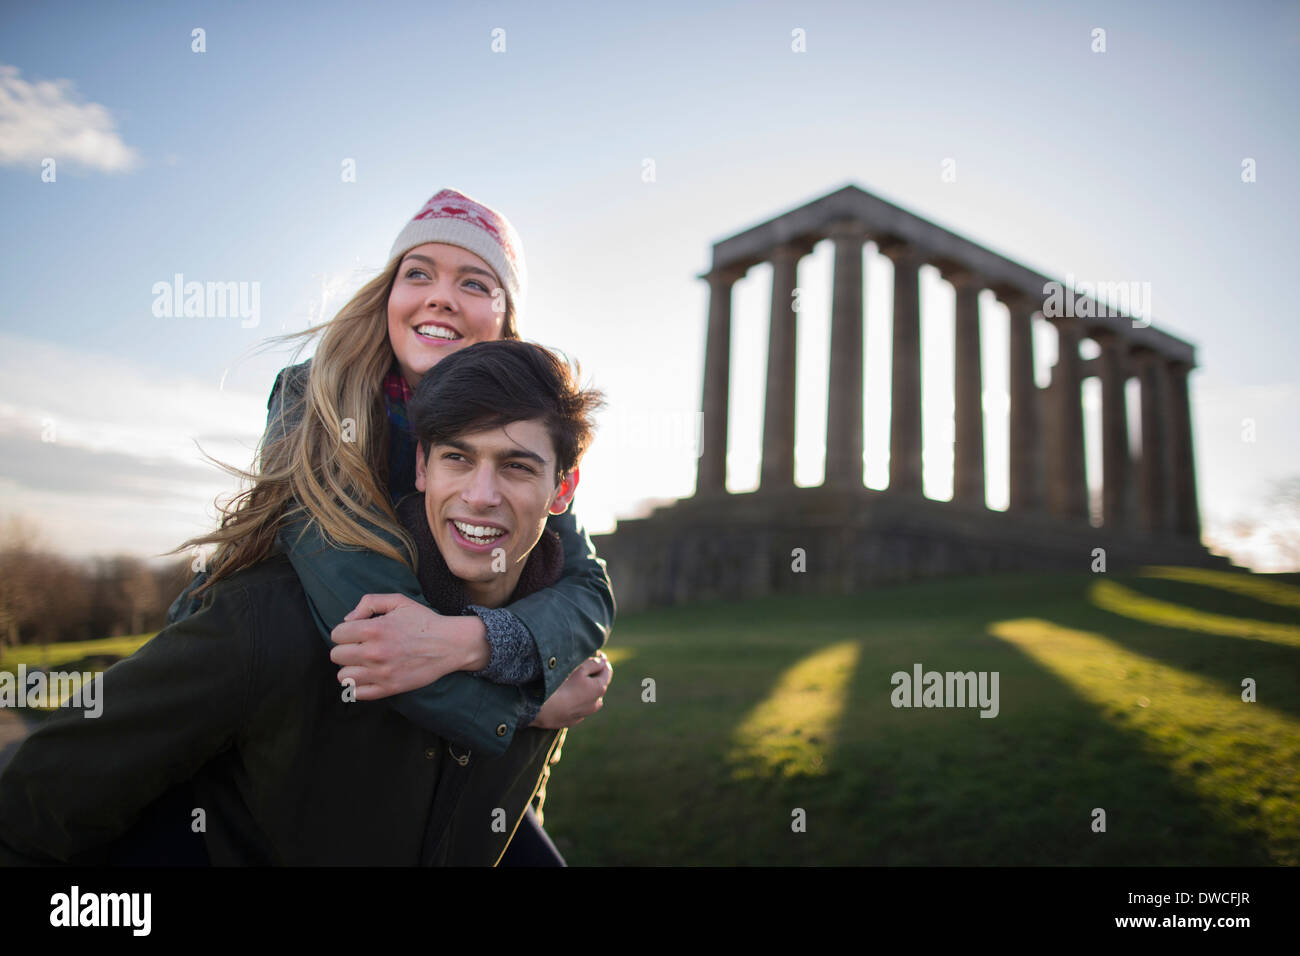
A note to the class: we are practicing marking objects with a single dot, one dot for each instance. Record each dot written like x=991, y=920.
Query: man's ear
x=565, y=494
x=419, y=466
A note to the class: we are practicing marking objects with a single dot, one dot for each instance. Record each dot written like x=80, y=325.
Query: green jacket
x=238, y=698
x=569, y=621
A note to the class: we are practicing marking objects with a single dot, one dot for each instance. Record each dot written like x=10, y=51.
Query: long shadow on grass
x=945, y=786
x=938, y=767
x=1217, y=657
x=650, y=782
x=653, y=783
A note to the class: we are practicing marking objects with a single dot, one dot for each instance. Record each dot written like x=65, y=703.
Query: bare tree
x=18, y=596
x=47, y=597
x=125, y=596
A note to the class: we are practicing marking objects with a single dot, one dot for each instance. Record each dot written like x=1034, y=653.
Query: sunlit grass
x=1259, y=587
x=750, y=693
x=790, y=733
x=1124, y=601
x=54, y=655
x=1242, y=758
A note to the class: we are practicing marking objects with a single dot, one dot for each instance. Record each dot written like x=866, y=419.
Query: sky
x=283, y=148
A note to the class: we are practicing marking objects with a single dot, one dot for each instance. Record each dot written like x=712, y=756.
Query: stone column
x=1026, y=475
x=711, y=477
x=1115, y=454
x=905, y=413
x=1187, y=517
x=777, y=472
x=1069, y=481
x=1154, y=466
x=844, y=424
x=968, y=391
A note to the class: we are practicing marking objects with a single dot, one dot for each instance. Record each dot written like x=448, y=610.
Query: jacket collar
x=443, y=590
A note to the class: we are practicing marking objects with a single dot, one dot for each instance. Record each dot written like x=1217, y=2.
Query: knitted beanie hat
x=454, y=218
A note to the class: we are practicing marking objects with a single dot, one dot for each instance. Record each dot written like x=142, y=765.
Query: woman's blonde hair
x=326, y=458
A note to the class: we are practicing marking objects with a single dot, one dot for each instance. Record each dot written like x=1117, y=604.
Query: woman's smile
x=438, y=333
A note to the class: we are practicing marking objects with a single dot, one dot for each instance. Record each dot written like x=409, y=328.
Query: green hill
x=1118, y=692
x=1115, y=692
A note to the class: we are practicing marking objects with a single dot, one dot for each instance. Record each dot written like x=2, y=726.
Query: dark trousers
x=531, y=846
x=163, y=837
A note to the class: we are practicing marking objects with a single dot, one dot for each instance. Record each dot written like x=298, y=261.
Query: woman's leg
x=531, y=846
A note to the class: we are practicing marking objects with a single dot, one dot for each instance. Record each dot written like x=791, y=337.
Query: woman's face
x=442, y=300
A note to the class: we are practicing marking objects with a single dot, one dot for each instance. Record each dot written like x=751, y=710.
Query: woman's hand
x=578, y=697
x=389, y=644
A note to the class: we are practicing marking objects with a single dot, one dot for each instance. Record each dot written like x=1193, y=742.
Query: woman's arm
x=571, y=620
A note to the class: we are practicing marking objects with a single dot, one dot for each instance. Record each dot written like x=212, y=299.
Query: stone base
x=739, y=546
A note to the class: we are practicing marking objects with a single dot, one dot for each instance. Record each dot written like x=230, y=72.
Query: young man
x=287, y=767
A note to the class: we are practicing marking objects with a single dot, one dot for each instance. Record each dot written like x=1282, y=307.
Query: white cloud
x=1246, y=442
x=47, y=118
x=89, y=524
x=101, y=404
x=102, y=456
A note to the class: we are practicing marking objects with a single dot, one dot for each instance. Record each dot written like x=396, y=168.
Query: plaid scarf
x=401, y=443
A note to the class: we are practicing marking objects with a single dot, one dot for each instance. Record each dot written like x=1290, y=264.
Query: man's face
x=490, y=490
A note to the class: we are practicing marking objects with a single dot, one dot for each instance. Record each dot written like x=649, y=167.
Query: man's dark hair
x=490, y=384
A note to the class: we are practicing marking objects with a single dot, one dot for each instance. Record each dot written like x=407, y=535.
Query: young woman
x=338, y=454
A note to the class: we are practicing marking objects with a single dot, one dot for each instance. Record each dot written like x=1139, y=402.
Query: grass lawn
x=1118, y=692
x=82, y=656
x=55, y=656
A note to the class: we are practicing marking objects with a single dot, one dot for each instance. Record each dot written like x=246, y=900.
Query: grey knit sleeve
x=515, y=659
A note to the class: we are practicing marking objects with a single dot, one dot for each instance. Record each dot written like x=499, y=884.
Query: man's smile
x=478, y=536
